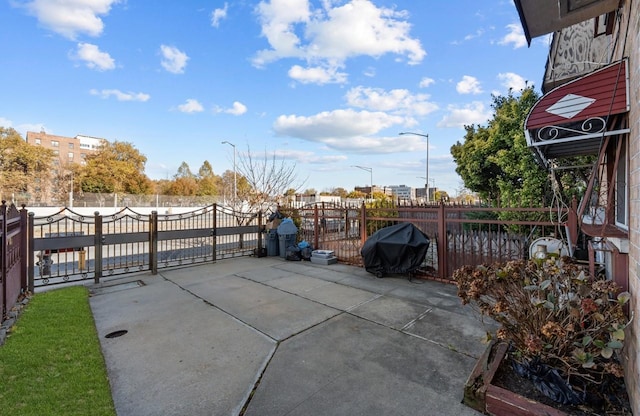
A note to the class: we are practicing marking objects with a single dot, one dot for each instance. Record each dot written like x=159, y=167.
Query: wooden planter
x=490, y=399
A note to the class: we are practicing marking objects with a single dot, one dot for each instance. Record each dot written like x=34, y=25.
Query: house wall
x=631, y=48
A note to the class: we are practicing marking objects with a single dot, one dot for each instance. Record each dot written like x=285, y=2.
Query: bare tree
x=269, y=176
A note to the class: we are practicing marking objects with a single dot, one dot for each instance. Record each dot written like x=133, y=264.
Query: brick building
x=67, y=151
x=591, y=105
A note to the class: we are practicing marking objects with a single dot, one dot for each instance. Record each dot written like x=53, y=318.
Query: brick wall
x=632, y=50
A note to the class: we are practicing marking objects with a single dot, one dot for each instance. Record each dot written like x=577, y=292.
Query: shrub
x=551, y=311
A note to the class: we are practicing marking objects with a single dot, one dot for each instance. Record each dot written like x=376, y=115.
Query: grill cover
x=400, y=248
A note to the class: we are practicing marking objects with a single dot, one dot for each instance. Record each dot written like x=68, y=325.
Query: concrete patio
x=264, y=336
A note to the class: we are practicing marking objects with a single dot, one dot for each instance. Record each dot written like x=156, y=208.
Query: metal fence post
x=32, y=259
x=443, y=266
x=315, y=224
x=3, y=257
x=99, y=239
x=213, y=231
x=153, y=242
x=260, y=231
x=363, y=223
x=24, y=233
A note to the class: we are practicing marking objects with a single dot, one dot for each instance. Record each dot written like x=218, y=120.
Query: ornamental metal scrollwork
x=591, y=125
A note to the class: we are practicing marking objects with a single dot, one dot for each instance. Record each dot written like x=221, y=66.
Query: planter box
x=487, y=398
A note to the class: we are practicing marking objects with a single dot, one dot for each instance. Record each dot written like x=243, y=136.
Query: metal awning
x=539, y=17
x=573, y=118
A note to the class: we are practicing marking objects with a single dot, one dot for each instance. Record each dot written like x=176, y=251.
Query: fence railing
x=67, y=246
x=459, y=234
x=13, y=248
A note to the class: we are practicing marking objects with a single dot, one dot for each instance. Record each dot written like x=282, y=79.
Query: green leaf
x=606, y=352
x=623, y=297
x=545, y=284
x=531, y=287
x=599, y=343
x=618, y=334
x=586, y=340
x=615, y=344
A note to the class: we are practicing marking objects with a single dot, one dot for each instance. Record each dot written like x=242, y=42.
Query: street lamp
x=370, y=170
x=235, y=179
x=426, y=186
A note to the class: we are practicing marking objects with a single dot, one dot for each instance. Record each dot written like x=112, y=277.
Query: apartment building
x=67, y=149
x=403, y=192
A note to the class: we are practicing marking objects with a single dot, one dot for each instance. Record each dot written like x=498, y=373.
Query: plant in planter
x=564, y=329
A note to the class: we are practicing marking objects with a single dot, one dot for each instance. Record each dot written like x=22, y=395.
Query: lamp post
x=370, y=170
x=71, y=191
x=235, y=179
x=426, y=185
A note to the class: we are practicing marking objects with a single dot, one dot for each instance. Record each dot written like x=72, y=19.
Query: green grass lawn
x=51, y=364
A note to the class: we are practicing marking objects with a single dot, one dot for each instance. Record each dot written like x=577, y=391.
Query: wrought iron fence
x=13, y=249
x=67, y=246
x=460, y=234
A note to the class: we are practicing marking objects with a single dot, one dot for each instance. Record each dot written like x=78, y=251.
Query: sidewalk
x=263, y=336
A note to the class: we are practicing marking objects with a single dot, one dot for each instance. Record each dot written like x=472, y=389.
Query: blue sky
x=326, y=84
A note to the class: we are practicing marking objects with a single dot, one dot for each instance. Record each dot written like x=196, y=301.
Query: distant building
x=402, y=192
x=67, y=149
x=368, y=191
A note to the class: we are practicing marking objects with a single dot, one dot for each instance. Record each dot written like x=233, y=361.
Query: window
x=70, y=155
x=70, y=145
x=55, y=143
x=38, y=141
x=622, y=190
x=56, y=152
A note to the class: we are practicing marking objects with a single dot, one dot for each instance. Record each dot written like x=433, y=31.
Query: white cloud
x=515, y=36
x=93, y=57
x=173, y=59
x=317, y=75
x=337, y=123
x=309, y=157
x=469, y=85
x=121, y=96
x=71, y=18
x=426, y=82
x=474, y=113
x=398, y=101
x=219, y=14
x=327, y=37
x=191, y=106
x=512, y=81
x=237, y=109
x=348, y=131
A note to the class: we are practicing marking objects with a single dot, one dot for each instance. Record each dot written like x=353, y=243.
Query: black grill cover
x=400, y=248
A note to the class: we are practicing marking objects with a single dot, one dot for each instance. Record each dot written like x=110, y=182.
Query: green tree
x=208, y=182
x=356, y=195
x=23, y=167
x=495, y=161
x=184, y=182
x=116, y=167
x=341, y=192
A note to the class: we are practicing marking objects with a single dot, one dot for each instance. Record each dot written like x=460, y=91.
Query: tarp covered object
x=400, y=248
